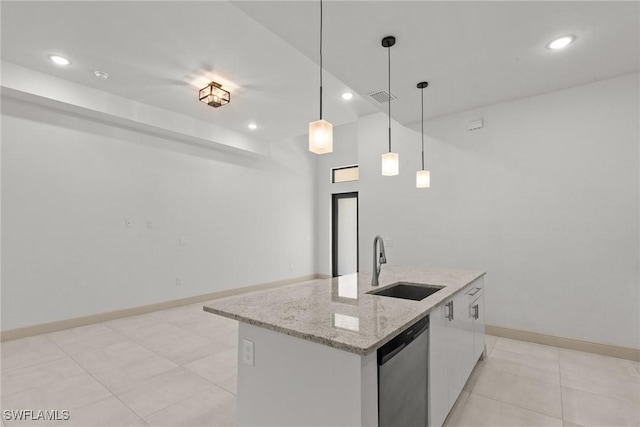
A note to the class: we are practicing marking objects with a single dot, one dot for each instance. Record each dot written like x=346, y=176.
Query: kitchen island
x=307, y=351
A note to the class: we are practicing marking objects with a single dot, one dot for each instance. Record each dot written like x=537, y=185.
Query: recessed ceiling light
x=347, y=96
x=252, y=126
x=60, y=60
x=561, y=42
x=101, y=74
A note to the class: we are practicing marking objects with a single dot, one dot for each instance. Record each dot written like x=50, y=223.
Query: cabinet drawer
x=475, y=289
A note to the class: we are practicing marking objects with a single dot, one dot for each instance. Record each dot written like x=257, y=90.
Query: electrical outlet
x=389, y=242
x=290, y=266
x=149, y=223
x=247, y=353
x=178, y=281
x=182, y=241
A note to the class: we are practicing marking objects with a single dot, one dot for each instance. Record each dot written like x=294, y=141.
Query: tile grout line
x=603, y=395
x=167, y=323
x=112, y=393
x=623, y=373
x=528, y=378
x=208, y=380
x=600, y=369
x=162, y=356
x=515, y=406
x=42, y=363
x=156, y=375
x=531, y=344
x=521, y=354
x=560, y=378
x=46, y=384
x=35, y=364
x=103, y=385
x=519, y=376
x=518, y=406
x=598, y=394
x=72, y=341
x=187, y=398
x=178, y=365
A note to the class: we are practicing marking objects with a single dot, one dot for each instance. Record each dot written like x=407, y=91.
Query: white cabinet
x=438, y=394
x=476, y=311
x=456, y=338
x=460, y=349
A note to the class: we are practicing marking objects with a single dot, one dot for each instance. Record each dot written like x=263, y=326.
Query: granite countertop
x=338, y=312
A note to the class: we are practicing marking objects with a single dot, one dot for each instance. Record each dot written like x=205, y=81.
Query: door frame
x=334, y=229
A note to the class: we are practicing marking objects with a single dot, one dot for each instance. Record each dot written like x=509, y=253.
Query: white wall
x=68, y=184
x=545, y=198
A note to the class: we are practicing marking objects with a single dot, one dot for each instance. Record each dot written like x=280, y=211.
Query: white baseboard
x=44, y=328
x=563, y=342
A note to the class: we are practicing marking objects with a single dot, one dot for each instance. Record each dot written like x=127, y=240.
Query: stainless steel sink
x=406, y=290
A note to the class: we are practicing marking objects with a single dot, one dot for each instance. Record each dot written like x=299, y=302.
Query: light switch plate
x=247, y=352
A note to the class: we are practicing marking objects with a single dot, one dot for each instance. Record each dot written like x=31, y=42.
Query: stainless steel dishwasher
x=402, y=378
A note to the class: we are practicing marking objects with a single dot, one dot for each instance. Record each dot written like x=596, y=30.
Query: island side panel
x=297, y=382
x=369, y=392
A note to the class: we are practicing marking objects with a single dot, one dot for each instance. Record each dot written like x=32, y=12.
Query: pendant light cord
x=389, y=56
x=422, y=94
x=320, y=59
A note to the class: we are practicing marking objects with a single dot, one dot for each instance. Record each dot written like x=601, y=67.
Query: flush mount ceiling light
x=561, y=42
x=320, y=131
x=101, y=74
x=347, y=96
x=252, y=126
x=390, y=161
x=423, y=177
x=214, y=95
x=60, y=60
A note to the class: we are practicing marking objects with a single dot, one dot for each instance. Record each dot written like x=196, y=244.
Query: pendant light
x=423, y=177
x=390, y=161
x=320, y=131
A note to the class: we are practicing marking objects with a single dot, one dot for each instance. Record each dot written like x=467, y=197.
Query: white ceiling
x=472, y=53
x=161, y=53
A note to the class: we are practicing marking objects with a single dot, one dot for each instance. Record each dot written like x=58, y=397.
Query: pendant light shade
x=320, y=137
x=390, y=161
x=390, y=164
x=320, y=131
x=423, y=177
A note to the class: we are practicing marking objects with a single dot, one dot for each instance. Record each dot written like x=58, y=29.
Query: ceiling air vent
x=382, y=96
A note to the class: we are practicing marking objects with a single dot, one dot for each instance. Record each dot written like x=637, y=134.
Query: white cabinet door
x=455, y=349
x=461, y=349
x=476, y=314
x=478, y=327
x=438, y=395
x=469, y=361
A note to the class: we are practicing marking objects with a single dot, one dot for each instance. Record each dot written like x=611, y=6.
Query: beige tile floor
x=178, y=367
x=525, y=384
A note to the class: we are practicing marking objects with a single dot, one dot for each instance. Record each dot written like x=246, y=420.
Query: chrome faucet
x=382, y=259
